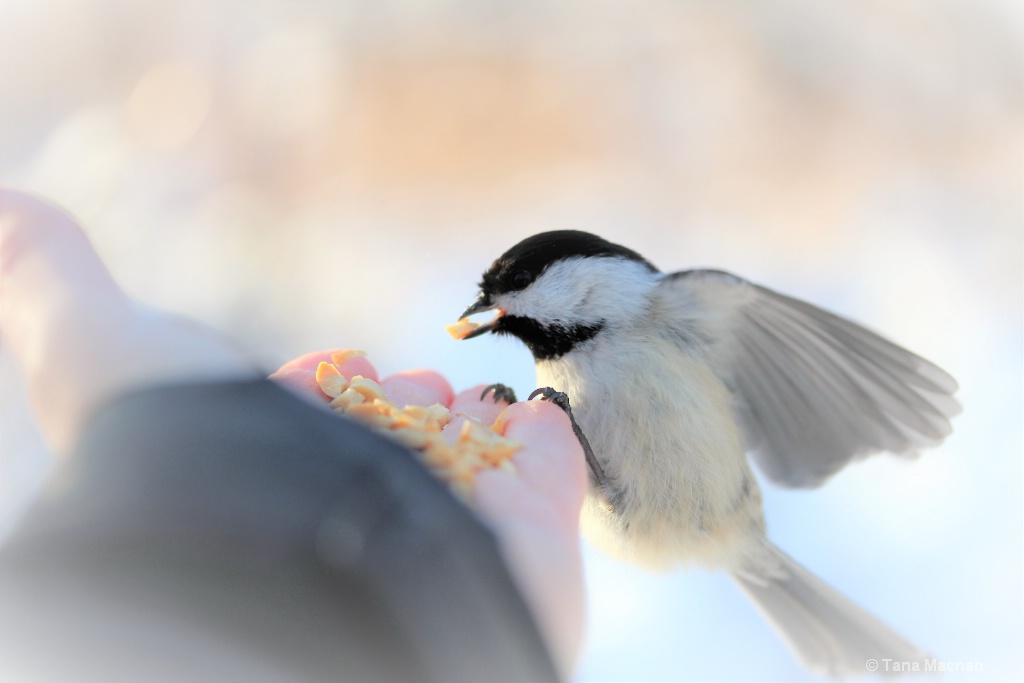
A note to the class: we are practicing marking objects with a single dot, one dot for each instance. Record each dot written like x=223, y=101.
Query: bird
x=675, y=382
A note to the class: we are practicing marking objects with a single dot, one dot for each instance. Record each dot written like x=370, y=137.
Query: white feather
x=577, y=291
x=661, y=426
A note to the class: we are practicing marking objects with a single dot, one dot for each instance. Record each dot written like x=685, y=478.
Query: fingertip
x=537, y=415
x=305, y=362
x=484, y=408
x=299, y=379
x=299, y=374
x=308, y=362
x=360, y=365
x=418, y=388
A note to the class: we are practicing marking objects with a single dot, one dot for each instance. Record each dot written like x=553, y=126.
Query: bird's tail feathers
x=827, y=632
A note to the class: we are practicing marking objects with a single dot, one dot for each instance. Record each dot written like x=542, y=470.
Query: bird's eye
x=521, y=279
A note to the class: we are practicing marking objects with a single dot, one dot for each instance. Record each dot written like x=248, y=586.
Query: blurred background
x=304, y=175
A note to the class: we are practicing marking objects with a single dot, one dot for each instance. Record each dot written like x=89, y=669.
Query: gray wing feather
x=813, y=390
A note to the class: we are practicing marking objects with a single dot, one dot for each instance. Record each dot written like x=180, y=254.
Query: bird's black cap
x=523, y=263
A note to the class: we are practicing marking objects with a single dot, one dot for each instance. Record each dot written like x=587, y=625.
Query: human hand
x=81, y=342
x=534, y=513
x=76, y=335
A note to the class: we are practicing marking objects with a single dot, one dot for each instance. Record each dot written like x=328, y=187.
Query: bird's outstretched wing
x=812, y=390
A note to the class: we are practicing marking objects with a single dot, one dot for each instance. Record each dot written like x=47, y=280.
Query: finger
x=535, y=515
x=551, y=463
x=544, y=557
x=418, y=388
x=300, y=373
x=469, y=403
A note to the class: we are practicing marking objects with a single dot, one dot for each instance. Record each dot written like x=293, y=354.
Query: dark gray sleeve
x=296, y=539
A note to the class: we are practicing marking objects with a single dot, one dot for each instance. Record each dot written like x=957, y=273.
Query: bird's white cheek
x=552, y=307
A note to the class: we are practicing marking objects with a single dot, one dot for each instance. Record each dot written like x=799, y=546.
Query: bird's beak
x=482, y=303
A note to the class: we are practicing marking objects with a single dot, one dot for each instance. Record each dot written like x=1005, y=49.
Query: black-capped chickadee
x=673, y=378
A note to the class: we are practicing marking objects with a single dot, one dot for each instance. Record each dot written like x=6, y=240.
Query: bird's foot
x=501, y=392
x=561, y=399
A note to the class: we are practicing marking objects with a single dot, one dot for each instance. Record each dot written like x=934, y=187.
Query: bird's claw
x=561, y=399
x=501, y=392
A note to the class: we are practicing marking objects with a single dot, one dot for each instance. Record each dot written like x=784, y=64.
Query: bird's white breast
x=661, y=425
